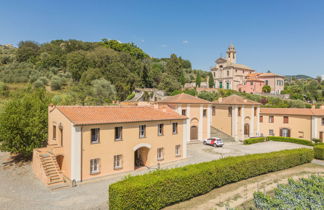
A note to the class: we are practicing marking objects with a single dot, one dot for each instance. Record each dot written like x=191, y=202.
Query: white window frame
x=118, y=161
x=95, y=166
x=178, y=150
x=97, y=134
x=160, y=153
x=142, y=131
x=271, y=132
x=284, y=132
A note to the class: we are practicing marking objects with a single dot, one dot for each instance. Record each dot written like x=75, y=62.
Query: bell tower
x=231, y=54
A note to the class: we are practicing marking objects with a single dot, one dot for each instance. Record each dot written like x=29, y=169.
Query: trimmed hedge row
x=164, y=187
x=319, y=152
x=254, y=140
x=291, y=140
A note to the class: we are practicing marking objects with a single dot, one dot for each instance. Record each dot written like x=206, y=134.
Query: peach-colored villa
x=236, y=116
x=196, y=109
x=86, y=142
x=293, y=122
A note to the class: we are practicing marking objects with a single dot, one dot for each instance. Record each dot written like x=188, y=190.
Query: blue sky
x=284, y=36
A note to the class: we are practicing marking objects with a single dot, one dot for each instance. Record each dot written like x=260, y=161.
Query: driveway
x=21, y=190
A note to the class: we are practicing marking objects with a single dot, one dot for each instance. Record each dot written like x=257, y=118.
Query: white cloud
x=185, y=42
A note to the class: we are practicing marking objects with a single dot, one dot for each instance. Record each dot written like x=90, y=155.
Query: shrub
x=164, y=187
x=38, y=84
x=254, y=140
x=56, y=83
x=290, y=140
x=302, y=194
x=319, y=151
x=130, y=96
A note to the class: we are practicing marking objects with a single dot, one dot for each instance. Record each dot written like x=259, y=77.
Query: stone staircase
x=214, y=132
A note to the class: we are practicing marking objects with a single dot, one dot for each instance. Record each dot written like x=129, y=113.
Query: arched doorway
x=193, y=132
x=59, y=160
x=246, y=129
x=140, y=157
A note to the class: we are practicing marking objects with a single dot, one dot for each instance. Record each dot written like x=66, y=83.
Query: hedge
x=319, y=152
x=291, y=140
x=254, y=140
x=164, y=187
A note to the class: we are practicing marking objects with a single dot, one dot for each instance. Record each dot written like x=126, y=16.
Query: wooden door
x=321, y=136
x=193, y=133
x=246, y=129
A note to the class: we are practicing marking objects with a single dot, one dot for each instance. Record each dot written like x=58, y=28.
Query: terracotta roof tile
x=269, y=75
x=235, y=100
x=183, y=99
x=293, y=111
x=83, y=115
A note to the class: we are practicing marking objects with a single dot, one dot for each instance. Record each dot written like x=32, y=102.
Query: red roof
x=235, y=100
x=83, y=115
x=183, y=99
x=293, y=111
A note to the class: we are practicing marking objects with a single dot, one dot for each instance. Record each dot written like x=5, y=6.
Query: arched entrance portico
x=141, y=152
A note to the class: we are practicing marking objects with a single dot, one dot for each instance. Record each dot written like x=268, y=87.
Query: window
x=239, y=111
x=321, y=135
x=142, y=131
x=285, y=119
x=174, y=128
x=285, y=132
x=95, y=135
x=230, y=111
x=160, y=154
x=204, y=112
x=94, y=166
x=251, y=83
x=323, y=121
x=228, y=73
x=54, y=132
x=118, y=133
x=213, y=110
x=301, y=134
x=271, y=119
x=177, y=150
x=255, y=111
x=160, y=129
x=118, y=163
x=184, y=112
x=220, y=84
x=271, y=133
x=261, y=119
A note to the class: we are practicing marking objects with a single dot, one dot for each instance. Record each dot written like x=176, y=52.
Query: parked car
x=214, y=141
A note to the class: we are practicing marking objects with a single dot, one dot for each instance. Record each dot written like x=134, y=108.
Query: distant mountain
x=298, y=76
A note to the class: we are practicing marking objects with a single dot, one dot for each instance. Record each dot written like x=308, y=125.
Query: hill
x=298, y=76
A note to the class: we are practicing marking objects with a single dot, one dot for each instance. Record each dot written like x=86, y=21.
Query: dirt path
x=234, y=195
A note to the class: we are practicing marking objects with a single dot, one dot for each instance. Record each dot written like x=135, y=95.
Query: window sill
x=118, y=168
x=94, y=173
x=118, y=139
x=174, y=133
x=161, y=159
x=95, y=142
x=178, y=155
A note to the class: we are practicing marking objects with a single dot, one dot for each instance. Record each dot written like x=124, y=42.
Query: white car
x=214, y=141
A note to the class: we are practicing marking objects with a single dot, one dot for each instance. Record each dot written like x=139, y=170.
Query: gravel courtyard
x=21, y=190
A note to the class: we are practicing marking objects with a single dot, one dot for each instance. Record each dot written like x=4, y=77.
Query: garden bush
x=307, y=193
x=291, y=140
x=164, y=187
x=254, y=140
x=319, y=151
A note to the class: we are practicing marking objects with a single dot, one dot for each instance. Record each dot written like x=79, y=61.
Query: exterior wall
x=248, y=87
x=273, y=83
x=108, y=147
x=221, y=120
x=234, y=125
x=300, y=126
x=319, y=127
x=55, y=117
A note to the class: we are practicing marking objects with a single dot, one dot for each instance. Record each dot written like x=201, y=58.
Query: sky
x=283, y=36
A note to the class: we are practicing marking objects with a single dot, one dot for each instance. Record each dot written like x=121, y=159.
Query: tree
x=27, y=51
x=77, y=63
x=198, y=79
x=23, y=123
x=266, y=89
x=169, y=84
x=211, y=82
x=102, y=91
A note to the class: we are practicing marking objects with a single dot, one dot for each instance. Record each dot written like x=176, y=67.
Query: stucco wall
x=56, y=117
x=108, y=147
x=221, y=120
x=300, y=126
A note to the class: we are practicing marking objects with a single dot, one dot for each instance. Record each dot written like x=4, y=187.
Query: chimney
x=245, y=100
x=220, y=100
x=51, y=107
x=313, y=106
x=322, y=106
